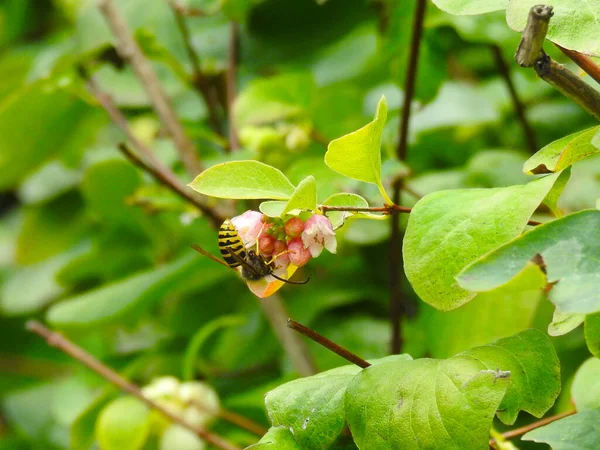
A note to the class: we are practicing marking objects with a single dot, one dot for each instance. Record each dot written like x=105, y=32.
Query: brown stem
x=234, y=49
x=295, y=347
x=532, y=426
x=329, y=345
x=164, y=176
x=397, y=304
x=234, y=418
x=532, y=38
x=584, y=62
x=198, y=78
x=517, y=103
x=129, y=50
x=63, y=344
x=187, y=11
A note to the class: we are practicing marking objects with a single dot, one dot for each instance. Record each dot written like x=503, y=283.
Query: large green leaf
x=358, y=155
x=243, y=180
x=562, y=153
x=124, y=424
x=573, y=24
x=449, y=229
x=312, y=408
x=112, y=300
x=470, y=7
x=578, y=432
x=592, y=333
x=450, y=403
x=304, y=196
x=277, y=438
x=586, y=385
x=568, y=248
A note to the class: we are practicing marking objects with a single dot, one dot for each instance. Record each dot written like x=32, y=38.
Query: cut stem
x=532, y=426
x=63, y=344
x=329, y=345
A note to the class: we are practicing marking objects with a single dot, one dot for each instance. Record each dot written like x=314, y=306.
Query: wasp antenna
x=289, y=281
x=209, y=255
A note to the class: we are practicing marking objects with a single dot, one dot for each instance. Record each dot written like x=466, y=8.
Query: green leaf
x=243, y=180
x=358, y=155
x=586, y=385
x=180, y=438
x=277, y=438
x=592, y=333
x=449, y=229
x=50, y=181
x=450, y=403
x=572, y=26
x=560, y=154
x=551, y=200
x=568, y=248
x=124, y=424
x=577, y=432
x=312, y=408
x=109, y=302
x=353, y=200
x=304, y=196
x=563, y=323
x=272, y=208
x=471, y=7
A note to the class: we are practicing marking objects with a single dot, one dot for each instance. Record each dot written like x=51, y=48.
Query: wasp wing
x=209, y=255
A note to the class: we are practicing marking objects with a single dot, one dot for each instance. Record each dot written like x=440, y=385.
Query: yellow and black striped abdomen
x=230, y=241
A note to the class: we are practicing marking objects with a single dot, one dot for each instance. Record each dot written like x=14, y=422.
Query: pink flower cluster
x=292, y=241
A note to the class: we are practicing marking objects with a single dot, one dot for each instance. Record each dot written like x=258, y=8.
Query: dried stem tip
x=533, y=35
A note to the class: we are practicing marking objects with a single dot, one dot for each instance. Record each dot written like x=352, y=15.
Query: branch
x=234, y=48
x=295, y=348
x=187, y=11
x=329, y=345
x=234, y=418
x=198, y=79
x=517, y=104
x=129, y=50
x=584, y=62
x=63, y=344
x=532, y=426
x=395, y=262
x=530, y=54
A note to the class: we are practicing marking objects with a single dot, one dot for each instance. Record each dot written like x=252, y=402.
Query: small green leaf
x=304, y=197
x=596, y=140
x=568, y=248
x=592, y=333
x=111, y=301
x=572, y=26
x=277, y=438
x=312, y=408
x=272, y=208
x=586, y=385
x=449, y=229
x=580, y=431
x=551, y=200
x=124, y=424
x=353, y=200
x=450, y=404
x=563, y=323
x=562, y=153
x=470, y=7
x=358, y=155
x=243, y=180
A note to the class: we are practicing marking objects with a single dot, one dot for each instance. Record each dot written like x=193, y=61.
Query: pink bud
x=266, y=244
x=318, y=233
x=298, y=253
x=283, y=259
x=294, y=227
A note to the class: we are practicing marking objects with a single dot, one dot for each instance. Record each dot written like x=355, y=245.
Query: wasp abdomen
x=230, y=242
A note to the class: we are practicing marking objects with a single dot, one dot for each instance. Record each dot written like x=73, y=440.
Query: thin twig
x=164, y=176
x=329, y=345
x=532, y=38
x=234, y=48
x=517, y=103
x=233, y=417
x=532, y=426
x=198, y=79
x=187, y=11
x=296, y=348
x=63, y=344
x=129, y=50
x=397, y=306
x=584, y=62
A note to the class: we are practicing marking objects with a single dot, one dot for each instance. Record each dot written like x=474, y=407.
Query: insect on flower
x=263, y=274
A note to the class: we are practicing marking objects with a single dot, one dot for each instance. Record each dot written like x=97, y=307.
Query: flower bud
x=294, y=227
x=283, y=259
x=248, y=226
x=266, y=245
x=299, y=255
x=318, y=233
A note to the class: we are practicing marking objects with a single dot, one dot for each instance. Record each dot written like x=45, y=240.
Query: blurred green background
x=97, y=249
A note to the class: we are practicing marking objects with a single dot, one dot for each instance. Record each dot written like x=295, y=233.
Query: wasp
x=254, y=266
